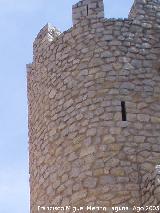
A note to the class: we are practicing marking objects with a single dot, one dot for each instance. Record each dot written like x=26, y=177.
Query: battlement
x=47, y=34
x=94, y=110
x=143, y=12
x=87, y=9
x=146, y=10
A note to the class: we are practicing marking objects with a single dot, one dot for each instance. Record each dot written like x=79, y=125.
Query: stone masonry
x=150, y=190
x=94, y=111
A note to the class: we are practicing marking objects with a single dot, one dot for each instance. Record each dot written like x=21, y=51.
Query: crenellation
x=82, y=149
x=87, y=9
x=146, y=11
x=46, y=35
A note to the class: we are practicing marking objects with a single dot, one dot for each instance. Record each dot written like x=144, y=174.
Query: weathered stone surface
x=107, y=180
x=78, y=196
x=151, y=188
x=108, y=139
x=90, y=182
x=87, y=151
x=118, y=172
x=94, y=109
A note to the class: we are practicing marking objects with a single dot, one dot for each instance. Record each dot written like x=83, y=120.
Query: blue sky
x=20, y=21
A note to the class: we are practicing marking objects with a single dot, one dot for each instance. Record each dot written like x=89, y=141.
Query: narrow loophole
x=87, y=9
x=123, y=109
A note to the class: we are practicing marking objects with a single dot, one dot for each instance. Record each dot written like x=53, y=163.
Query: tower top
x=87, y=9
x=145, y=10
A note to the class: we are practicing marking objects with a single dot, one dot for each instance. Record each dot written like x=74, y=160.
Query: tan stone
x=81, y=152
x=98, y=172
x=78, y=196
x=90, y=182
x=155, y=120
x=108, y=139
x=143, y=117
x=139, y=139
x=114, y=147
x=117, y=171
x=87, y=151
x=52, y=93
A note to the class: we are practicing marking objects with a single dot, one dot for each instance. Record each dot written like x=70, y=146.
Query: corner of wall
x=46, y=35
x=29, y=67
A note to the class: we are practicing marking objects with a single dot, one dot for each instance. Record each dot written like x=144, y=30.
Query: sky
x=20, y=21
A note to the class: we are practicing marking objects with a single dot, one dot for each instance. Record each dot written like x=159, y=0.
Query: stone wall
x=82, y=151
x=85, y=9
x=151, y=191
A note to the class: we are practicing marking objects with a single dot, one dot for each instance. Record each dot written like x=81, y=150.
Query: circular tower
x=94, y=110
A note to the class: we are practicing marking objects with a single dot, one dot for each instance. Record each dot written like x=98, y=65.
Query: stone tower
x=94, y=111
